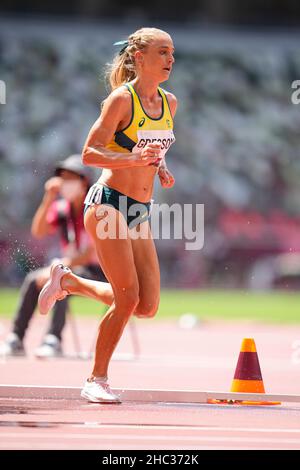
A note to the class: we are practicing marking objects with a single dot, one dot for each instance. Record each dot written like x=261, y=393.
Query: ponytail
x=121, y=70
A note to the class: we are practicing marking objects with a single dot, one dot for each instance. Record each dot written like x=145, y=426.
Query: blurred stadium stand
x=237, y=131
x=232, y=12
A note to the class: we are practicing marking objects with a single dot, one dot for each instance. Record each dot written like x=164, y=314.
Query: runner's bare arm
x=94, y=152
x=166, y=178
x=172, y=100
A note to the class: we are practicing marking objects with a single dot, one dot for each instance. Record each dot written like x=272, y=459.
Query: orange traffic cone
x=247, y=376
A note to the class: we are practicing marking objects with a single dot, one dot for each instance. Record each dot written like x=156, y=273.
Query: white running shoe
x=52, y=290
x=99, y=392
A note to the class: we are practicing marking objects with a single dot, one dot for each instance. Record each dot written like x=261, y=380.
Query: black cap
x=74, y=163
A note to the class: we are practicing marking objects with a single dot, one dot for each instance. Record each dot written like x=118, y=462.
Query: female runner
x=129, y=141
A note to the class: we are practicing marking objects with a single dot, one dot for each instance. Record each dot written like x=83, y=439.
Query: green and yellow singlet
x=143, y=129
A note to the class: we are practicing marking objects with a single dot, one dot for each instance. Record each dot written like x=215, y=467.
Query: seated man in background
x=61, y=210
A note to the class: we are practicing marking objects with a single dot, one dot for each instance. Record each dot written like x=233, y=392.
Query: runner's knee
x=127, y=299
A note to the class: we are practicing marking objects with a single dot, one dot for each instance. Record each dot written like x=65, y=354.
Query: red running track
x=202, y=358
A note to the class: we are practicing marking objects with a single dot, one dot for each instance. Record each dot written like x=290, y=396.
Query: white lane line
x=139, y=395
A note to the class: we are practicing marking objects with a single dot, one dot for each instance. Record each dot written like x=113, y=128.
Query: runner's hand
x=166, y=178
x=150, y=155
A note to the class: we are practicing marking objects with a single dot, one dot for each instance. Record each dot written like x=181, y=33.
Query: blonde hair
x=123, y=69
